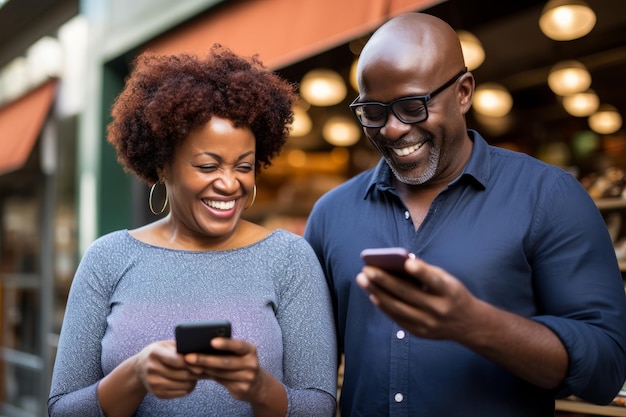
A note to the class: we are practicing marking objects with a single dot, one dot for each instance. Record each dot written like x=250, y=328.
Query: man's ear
x=466, y=91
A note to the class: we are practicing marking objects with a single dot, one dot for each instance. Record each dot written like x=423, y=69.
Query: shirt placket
x=399, y=373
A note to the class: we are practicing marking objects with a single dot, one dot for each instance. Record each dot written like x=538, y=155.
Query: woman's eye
x=207, y=168
x=245, y=168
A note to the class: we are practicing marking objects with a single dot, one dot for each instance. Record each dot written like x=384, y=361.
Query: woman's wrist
x=270, y=399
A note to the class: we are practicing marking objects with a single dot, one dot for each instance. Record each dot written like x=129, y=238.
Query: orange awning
x=282, y=32
x=21, y=122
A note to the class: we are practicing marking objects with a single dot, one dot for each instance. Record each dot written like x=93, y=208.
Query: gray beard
x=429, y=172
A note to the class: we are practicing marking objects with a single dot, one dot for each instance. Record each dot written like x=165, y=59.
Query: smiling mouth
x=220, y=205
x=408, y=150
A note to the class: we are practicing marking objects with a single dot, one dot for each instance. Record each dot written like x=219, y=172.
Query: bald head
x=417, y=42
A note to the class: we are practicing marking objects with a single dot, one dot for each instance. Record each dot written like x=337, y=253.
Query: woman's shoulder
x=285, y=242
x=105, y=259
x=282, y=236
x=109, y=244
x=115, y=238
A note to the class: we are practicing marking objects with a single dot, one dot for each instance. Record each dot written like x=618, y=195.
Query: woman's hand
x=239, y=372
x=158, y=369
x=242, y=375
x=163, y=371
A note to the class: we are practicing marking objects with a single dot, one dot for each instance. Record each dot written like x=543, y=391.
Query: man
x=519, y=298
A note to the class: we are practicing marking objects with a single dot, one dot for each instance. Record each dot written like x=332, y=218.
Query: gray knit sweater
x=127, y=294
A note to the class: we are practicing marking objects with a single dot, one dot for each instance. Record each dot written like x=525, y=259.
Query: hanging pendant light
x=341, y=131
x=323, y=87
x=569, y=77
x=353, y=80
x=581, y=104
x=473, y=51
x=564, y=20
x=491, y=99
x=606, y=120
x=302, y=123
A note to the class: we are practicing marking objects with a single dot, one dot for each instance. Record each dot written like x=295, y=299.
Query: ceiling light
x=353, y=81
x=341, y=131
x=606, y=120
x=323, y=87
x=491, y=99
x=581, y=104
x=564, y=20
x=473, y=51
x=302, y=123
x=569, y=77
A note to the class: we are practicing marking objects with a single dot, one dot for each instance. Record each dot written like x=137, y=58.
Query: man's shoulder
x=532, y=179
x=522, y=163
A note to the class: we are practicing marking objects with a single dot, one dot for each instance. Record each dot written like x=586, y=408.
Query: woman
x=202, y=129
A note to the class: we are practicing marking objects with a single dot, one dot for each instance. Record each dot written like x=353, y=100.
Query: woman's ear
x=162, y=173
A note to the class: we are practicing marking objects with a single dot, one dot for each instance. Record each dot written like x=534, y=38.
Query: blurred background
x=557, y=95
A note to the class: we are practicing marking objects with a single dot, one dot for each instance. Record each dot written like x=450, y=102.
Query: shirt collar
x=479, y=165
x=477, y=168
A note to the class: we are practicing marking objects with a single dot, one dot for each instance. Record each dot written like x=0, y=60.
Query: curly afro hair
x=166, y=97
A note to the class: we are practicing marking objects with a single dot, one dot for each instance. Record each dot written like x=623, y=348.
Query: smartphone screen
x=196, y=336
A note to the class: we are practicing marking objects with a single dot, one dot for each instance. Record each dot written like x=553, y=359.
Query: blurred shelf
x=577, y=406
x=611, y=203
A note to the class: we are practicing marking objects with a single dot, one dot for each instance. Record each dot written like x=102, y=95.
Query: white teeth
x=408, y=150
x=220, y=205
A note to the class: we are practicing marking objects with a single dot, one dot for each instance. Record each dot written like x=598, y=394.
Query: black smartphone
x=390, y=259
x=196, y=336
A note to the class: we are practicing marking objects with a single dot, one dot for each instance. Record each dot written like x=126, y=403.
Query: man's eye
x=412, y=108
x=373, y=112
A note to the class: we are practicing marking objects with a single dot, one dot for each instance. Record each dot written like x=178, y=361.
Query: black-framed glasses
x=408, y=110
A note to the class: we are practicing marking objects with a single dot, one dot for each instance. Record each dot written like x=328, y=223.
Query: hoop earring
x=253, y=198
x=156, y=213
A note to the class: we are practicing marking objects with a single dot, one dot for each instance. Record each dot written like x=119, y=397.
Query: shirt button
x=407, y=215
x=398, y=397
x=400, y=335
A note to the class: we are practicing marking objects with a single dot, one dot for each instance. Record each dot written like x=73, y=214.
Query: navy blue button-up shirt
x=522, y=235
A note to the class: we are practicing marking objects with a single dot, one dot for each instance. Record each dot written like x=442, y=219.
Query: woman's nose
x=228, y=182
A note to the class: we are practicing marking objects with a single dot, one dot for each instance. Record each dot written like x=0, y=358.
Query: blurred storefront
x=61, y=186
x=38, y=236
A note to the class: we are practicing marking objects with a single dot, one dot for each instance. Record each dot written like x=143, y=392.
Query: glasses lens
x=371, y=115
x=411, y=110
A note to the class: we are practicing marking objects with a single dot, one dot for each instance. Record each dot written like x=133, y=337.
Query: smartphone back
x=195, y=337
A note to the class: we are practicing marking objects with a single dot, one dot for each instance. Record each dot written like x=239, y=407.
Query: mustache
x=404, y=141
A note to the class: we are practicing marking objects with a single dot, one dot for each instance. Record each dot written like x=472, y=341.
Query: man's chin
x=412, y=176
x=417, y=172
